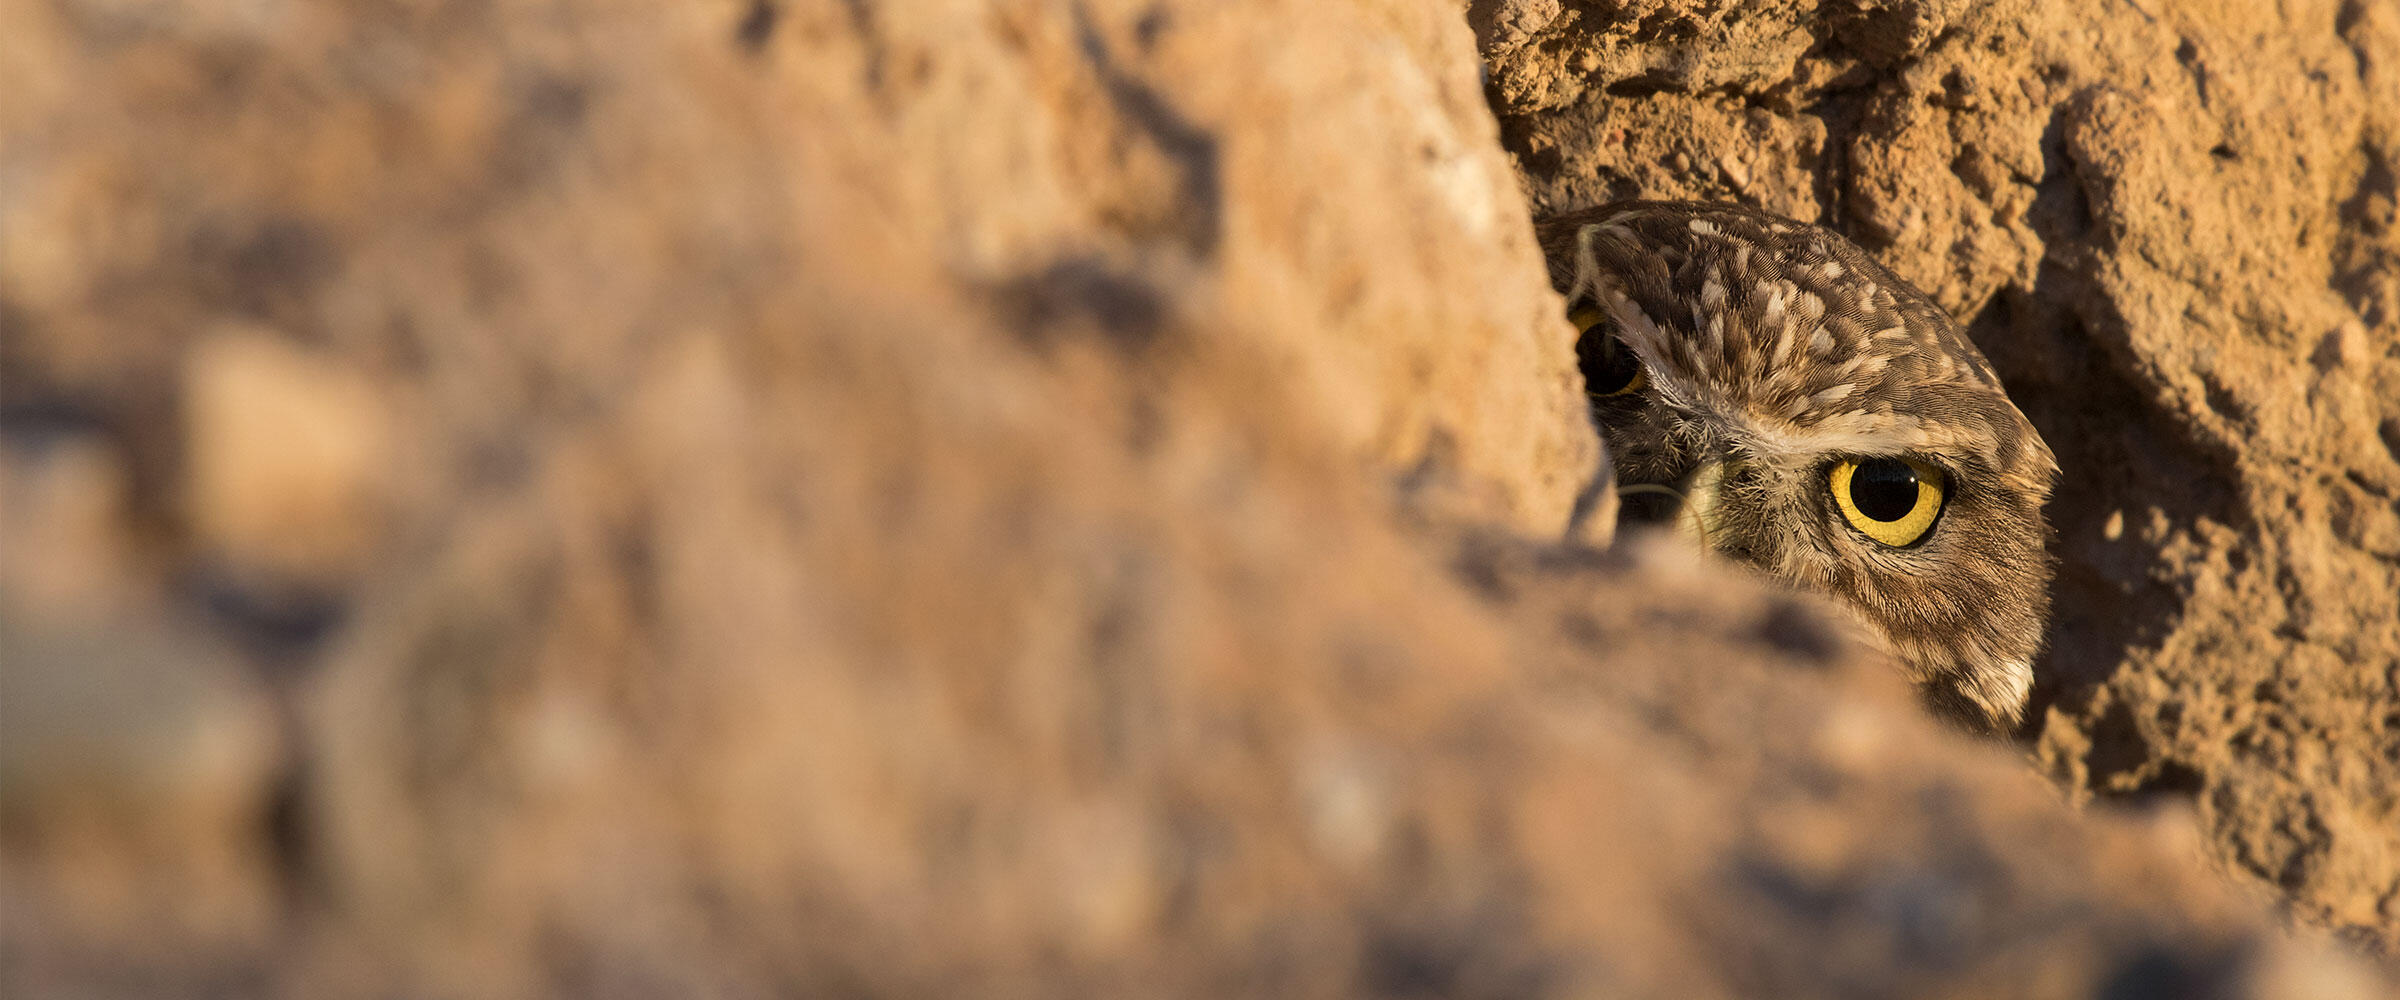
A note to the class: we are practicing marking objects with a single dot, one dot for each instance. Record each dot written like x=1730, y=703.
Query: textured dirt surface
x=791, y=498
x=2172, y=227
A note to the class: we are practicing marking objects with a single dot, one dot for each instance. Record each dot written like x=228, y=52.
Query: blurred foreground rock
x=781, y=498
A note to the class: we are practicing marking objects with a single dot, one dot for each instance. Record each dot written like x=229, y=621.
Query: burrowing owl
x=1802, y=409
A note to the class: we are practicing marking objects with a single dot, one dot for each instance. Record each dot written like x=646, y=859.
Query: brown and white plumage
x=1778, y=359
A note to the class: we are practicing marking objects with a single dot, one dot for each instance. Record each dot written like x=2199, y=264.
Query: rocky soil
x=781, y=497
x=2172, y=226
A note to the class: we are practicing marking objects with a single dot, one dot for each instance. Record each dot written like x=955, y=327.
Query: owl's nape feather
x=1774, y=354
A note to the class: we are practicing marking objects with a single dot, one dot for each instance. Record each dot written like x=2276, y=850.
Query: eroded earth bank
x=789, y=498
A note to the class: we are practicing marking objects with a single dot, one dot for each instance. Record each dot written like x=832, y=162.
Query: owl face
x=1768, y=390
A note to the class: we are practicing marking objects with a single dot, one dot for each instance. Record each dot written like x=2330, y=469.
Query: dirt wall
x=2171, y=227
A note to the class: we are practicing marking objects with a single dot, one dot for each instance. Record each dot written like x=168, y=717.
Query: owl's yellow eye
x=1610, y=369
x=1891, y=500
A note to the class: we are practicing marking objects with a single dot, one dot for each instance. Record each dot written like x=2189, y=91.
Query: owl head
x=1767, y=389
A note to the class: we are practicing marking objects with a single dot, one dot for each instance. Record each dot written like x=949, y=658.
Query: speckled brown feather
x=1776, y=348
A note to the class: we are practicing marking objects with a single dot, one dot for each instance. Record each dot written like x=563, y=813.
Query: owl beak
x=1690, y=511
x=1699, y=520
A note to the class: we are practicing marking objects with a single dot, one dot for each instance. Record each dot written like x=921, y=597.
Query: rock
x=287, y=455
x=137, y=768
x=139, y=758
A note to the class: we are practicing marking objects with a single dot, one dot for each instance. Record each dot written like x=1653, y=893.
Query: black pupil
x=1608, y=366
x=1884, y=489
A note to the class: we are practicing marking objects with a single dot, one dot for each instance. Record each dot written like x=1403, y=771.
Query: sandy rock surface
x=769, y=498
x=2172, y=227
